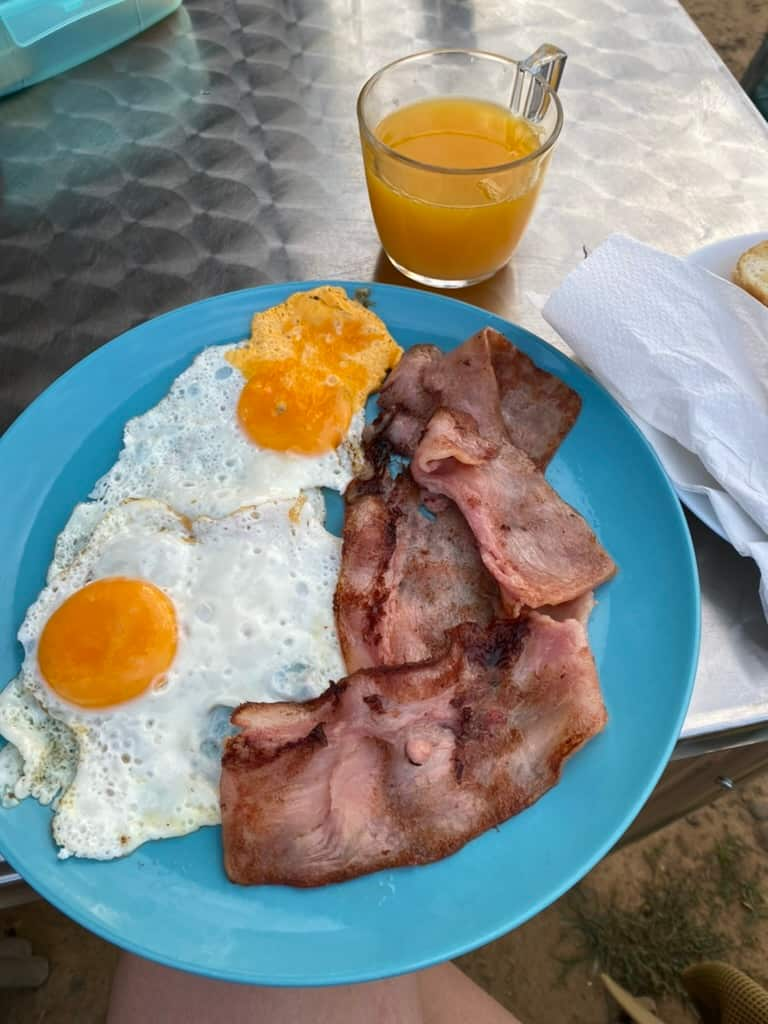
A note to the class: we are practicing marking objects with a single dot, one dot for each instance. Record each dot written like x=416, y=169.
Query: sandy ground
x=735, y=29
x=713, y=863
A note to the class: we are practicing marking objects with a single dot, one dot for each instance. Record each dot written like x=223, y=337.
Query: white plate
x=718, y=258
x=721, y=257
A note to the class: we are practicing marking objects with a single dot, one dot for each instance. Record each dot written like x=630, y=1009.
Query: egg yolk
x=108, y=642
x=306, y=417
x=309, y=366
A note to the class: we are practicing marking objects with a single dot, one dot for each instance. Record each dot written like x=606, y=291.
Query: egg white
x=190, y=452
x=40, y=757
x=253, y=594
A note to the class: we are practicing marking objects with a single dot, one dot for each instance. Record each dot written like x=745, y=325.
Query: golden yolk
x=283, y=410
x=309, y=365
x=108, y=642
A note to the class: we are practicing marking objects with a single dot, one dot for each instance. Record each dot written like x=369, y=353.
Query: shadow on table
x=496, y=294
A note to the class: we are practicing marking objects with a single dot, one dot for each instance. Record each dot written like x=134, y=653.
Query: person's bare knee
x=449, y=997
x=142, y=990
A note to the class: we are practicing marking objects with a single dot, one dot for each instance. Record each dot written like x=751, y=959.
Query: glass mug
x=452, y=226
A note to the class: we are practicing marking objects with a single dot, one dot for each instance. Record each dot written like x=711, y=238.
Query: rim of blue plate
x=693, y=625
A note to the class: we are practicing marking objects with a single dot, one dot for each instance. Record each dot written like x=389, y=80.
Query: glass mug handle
x=546, y=64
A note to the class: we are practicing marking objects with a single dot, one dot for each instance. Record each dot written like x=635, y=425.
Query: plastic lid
x=28, y=21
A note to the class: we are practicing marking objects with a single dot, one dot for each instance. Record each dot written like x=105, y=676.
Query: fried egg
x=264, y=420
x=40, y=757
x=310, y=364
x=136, y=652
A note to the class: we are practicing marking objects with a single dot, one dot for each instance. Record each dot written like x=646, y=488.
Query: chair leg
x=18, y=967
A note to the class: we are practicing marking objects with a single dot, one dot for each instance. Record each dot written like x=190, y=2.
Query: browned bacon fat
x=408, y=575
x=404, y=765
x=488, y=378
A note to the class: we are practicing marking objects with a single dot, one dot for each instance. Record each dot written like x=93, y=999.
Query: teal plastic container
x=40, y=38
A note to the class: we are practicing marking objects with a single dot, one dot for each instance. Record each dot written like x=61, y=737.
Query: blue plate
x=170, y=900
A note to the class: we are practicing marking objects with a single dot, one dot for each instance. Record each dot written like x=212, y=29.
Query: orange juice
x=458, y=211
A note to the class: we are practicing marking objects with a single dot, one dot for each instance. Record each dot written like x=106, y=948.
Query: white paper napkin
x=686, y=353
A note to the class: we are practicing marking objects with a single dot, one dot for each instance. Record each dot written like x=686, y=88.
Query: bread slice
x=752, y=271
